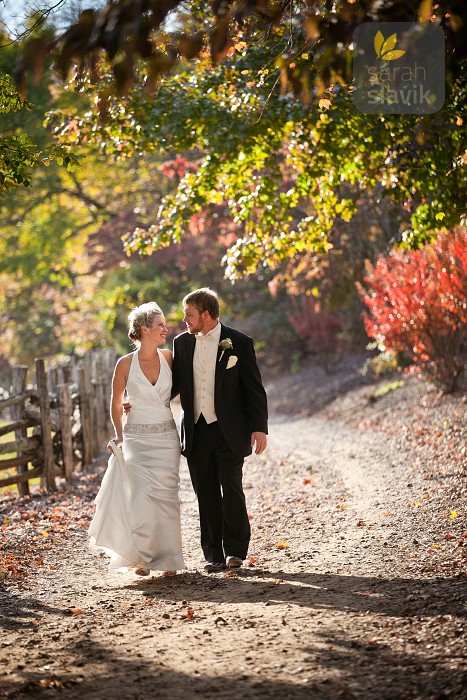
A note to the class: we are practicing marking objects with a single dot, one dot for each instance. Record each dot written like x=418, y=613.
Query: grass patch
x=387, y=388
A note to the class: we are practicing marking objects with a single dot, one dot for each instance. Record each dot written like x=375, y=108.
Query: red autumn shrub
x=417, y=303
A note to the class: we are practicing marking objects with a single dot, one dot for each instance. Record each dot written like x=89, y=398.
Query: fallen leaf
x=230, y=574
x=453, y=514
x=281, y=545
x=149, y=601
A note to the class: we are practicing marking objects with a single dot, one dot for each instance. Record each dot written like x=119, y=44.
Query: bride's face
x=157, y=334
x=193, y=319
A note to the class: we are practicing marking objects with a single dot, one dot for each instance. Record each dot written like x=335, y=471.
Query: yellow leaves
x=425, y=10
x=440, y=216
x=44, y=533
x=453, y=515
x=384, y=48
x=281, y=545
x=459, y=121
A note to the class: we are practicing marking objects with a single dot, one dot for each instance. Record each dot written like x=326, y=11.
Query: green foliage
x=291, y=173
x=25, y=146
x=387, y=388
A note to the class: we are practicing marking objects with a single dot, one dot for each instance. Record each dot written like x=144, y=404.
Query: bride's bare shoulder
x=168, y=356
x=124, y=362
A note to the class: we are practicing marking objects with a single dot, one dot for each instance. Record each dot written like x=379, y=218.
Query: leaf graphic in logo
x=379, y=41
x=385, y=47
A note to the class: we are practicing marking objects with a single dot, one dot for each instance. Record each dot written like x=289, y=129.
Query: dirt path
x=339, y=599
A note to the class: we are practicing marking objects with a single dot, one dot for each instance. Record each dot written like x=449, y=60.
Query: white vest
x=204, y=369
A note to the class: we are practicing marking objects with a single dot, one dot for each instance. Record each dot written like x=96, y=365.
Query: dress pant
x=216, y=475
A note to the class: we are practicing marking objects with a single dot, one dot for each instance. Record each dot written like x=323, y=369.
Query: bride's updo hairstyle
x=141, y=317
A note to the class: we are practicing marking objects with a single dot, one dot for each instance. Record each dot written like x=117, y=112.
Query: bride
x=137, y=518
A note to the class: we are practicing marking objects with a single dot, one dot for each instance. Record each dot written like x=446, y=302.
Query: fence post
x=17, y=412
x=66, y=415
x=85, y=393
x=100, y=401
x=46, y=428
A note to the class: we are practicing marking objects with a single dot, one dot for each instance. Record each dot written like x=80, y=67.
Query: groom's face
x=194, y=320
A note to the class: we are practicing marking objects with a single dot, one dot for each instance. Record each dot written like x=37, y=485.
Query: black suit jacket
x=239, y=397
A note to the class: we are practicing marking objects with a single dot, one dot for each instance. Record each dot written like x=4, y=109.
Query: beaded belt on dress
x=145, y=428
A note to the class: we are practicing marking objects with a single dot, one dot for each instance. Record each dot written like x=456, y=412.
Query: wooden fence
x=67, y=408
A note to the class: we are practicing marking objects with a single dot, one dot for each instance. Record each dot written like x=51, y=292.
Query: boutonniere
x=224, y=345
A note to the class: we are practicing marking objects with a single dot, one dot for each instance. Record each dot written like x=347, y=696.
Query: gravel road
x=341, y=596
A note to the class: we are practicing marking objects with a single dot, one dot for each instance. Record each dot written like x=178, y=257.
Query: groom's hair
x=204, y=299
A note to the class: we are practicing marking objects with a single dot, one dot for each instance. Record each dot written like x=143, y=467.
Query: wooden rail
x=67, y=411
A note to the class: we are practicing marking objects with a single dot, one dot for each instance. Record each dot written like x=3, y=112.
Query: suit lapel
x=189, y=351
x=221, y=362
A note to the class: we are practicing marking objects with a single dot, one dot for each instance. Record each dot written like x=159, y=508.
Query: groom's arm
x=253, y=390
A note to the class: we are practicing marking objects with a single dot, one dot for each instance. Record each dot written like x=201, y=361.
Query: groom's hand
x=260, y=440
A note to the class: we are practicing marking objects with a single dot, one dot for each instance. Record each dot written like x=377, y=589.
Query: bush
x=317, y=327
x=417, y=304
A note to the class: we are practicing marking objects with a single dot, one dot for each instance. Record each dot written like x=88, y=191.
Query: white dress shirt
x=204, y=369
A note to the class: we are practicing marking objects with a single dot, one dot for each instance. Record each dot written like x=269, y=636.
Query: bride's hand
x=114, y=441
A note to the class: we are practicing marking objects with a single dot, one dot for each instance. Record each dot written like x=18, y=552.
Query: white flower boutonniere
x=224, y=345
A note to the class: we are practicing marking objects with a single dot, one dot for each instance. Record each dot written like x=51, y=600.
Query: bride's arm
x=116, y=401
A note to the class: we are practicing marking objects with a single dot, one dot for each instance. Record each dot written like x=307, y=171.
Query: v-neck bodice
x=150, y=403
x=141, y=369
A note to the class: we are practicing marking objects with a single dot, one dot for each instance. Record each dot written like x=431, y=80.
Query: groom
x=224, y=416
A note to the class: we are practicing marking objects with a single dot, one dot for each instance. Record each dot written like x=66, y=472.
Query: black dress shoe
x=213, y=566
x=234, y=562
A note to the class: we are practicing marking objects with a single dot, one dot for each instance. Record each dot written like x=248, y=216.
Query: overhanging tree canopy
x=259, y=91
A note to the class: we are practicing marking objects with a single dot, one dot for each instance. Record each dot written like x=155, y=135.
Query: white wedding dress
x=137, y=518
